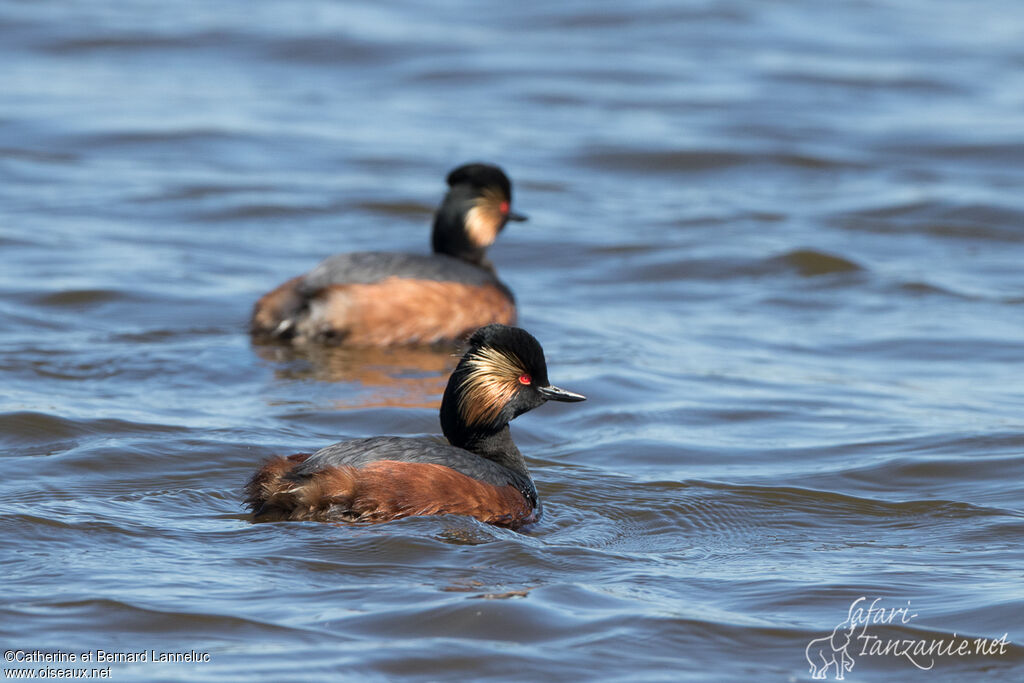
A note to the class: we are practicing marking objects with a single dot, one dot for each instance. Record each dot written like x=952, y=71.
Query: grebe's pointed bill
x=553, y=393
x=517, y=217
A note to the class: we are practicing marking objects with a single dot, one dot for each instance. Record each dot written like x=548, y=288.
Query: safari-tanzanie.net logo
x=835, y=654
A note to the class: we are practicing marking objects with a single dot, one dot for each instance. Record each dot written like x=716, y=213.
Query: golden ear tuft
x=492, y=381
x=485, y=218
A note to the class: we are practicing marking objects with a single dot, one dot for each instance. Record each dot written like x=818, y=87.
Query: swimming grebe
x=382, y=299
x=479, y=472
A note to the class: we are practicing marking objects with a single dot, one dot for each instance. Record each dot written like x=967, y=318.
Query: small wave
x=396, y=208
x=269, y=211
x=939, y=218
x=919, y=472
x=655, y=265
x=26, y=428
x=177, y=136
x=168, y=334
x=922, y=289
x=134, y=42
x=811, y=263
x=900, y=83
x=697, y=160
x=811, y=501
x=109, y=614
x=332, y=49
x=82, y=297
x=37, y=155
x=194, y=192
x=996, y=152
x=950, y=348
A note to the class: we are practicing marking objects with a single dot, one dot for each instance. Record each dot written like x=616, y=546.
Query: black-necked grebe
x=479, y=472
x=383, y=299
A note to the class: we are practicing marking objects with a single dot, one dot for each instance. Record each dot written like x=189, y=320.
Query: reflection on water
x=778, y=245
x=411, y=377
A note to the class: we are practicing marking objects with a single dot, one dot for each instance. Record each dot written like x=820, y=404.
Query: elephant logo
x=831, y=650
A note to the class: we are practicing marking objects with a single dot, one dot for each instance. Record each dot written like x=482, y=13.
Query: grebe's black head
x=502, y=375
x=475, y=210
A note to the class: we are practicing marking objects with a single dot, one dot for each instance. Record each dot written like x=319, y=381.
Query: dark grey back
x=374, y=266
x=420, y=449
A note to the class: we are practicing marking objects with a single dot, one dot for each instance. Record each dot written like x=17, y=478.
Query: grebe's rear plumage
x=382, y=298
x=478, y=472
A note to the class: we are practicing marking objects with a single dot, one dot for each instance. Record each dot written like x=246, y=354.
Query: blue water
x=778, y=246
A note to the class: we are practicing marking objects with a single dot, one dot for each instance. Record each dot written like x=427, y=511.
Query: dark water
x=778, y=245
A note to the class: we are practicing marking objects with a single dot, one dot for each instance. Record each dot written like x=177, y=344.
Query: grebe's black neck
x=498, y=447
x=491, y=441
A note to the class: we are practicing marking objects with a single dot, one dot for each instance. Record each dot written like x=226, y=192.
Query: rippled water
x=778, y=245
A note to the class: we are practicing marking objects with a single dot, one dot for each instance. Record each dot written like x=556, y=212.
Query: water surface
x=777, y=245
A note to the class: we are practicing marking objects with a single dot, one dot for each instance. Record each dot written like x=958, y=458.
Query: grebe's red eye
x=503, y=207
x=525, y=379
